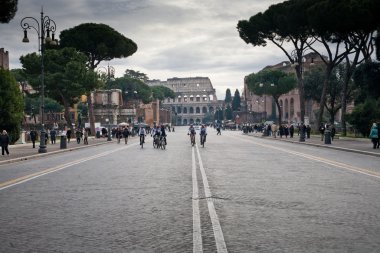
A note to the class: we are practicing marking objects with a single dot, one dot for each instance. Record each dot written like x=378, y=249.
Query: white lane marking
x=27, y=178
x=197, y=233
x=218, y=233
x=318, y=159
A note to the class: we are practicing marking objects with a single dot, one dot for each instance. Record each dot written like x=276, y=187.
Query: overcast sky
x=175, y=38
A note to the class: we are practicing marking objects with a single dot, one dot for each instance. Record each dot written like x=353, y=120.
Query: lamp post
x=44, y=27
x=265, y=97
x=110, y=73
x=298, y=62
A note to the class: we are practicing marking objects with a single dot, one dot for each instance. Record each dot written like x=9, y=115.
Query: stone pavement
x=357, y=145
x=26, y=151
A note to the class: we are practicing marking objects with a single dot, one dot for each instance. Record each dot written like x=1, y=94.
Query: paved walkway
x=26, y=151
x=357, y=145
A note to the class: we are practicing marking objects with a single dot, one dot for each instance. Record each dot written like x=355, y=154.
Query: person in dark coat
x=4, y=142
x=322, y=131
x=291, y=131
x=68, y=134
x=78, y=134
x=33, y=137
x=333, y=132
x=308, y=131
x=126, y=134
x=46, y=138
x=281, y=130
x=53, y=135
x=286, y=131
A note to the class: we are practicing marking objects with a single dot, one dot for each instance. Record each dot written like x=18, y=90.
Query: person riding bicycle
x=155, y=133
x=191, y=130
x=203, y=132
x=192, y=133
x=142, y=133
x=163, y=133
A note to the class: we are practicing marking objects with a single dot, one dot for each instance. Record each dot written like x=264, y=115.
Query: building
x=109, y=108
x=4, y=59
x=263, y=107
x=195, y=99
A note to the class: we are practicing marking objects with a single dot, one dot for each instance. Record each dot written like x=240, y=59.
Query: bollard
x=63, y=144
x=327, y=137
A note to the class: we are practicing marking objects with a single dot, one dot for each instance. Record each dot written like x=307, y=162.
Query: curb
x=23, y=158
x=323, y=146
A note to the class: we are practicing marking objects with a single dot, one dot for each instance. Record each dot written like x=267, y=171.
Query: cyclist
x=163, y=134
x=155, y=133
x=192, y=134
x=142, y=134
x=218, y=129
x=203, y=132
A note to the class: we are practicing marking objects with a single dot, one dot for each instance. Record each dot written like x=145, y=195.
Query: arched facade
x=195, y=96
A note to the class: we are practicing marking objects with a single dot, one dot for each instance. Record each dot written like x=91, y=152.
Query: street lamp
x=265, y=96
x=298, y=62
x=45, y=26
x=110, y=73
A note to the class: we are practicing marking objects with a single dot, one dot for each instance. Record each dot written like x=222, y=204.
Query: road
x=237, y=194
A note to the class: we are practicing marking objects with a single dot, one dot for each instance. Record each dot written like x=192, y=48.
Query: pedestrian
x=322, y=131
x=85, y=136
x=46, y=137
x=4, y=141
x=291, y=131
x=218, y=130
x=119, y=135
x=281, y=130
x=286, y=131
x=274, y=130
x=378, y=139
x=374, y=135
x=308, y=131
x=126, y=134
x=78, y=135
x=333, y=132
x=53, y=134
x=68, y=135
x=33, y=137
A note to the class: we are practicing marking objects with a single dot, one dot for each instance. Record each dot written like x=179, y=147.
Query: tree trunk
x=344, y=97
x=279, y=111
x=91, y=114
x=322, y=102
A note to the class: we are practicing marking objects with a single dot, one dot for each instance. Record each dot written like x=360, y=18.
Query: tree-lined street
x=262, y=196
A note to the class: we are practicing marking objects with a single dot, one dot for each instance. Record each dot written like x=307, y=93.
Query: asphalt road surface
x=237, y=194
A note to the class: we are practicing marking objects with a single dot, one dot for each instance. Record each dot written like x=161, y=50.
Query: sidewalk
x=356, y=145
x=19, y=152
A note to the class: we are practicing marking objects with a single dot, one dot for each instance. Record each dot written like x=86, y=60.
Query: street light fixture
x=45, y=26
x=110, y=73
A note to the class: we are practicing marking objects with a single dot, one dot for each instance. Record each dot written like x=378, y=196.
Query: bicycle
x=163, y=142
x=156, y=141
x=203, y=138
x=192, y=139
x=142, y=140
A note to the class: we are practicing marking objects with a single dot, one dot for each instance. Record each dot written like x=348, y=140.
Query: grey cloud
x=174, y=37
